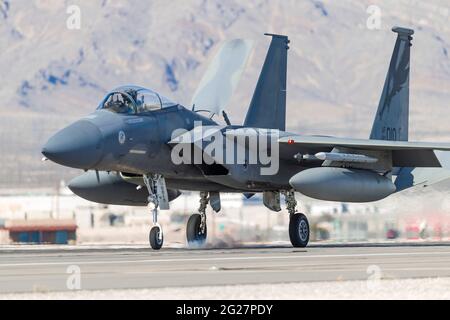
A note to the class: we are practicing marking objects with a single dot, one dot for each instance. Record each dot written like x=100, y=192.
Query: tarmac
x=106, y=267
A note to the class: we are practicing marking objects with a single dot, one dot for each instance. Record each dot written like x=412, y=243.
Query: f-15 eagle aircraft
x=139, y=148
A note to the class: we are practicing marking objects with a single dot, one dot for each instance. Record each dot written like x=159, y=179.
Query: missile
x=345, y=157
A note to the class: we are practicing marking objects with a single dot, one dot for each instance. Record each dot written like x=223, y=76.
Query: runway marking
x=302, y=270
x=222, y=259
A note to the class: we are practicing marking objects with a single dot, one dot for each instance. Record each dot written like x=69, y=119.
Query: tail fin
x=392, y=118
x=268, y=106
x=222, y=76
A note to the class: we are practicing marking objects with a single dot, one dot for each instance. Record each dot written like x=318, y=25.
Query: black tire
x=195, y=237
x=155, y=241
x=299, y=230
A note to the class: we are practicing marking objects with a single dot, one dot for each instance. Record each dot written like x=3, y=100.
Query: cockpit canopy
x=133, y=100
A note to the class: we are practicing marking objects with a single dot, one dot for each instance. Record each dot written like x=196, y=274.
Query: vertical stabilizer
x=222, y=76
x=268, y=106
x=392, y=118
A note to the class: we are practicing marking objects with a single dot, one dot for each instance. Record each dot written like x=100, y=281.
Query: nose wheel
x=156, y=238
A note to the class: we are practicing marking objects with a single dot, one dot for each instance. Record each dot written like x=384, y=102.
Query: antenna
x=225, y=117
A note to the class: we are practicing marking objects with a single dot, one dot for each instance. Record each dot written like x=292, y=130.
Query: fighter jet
x=140, y=149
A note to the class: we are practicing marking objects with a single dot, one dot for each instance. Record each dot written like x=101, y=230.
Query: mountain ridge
x=337, y=66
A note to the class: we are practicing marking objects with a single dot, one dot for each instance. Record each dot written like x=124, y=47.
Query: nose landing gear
x=158, y=198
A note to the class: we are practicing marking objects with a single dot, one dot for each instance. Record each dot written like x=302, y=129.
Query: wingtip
x=401, y=30
x=276, y=35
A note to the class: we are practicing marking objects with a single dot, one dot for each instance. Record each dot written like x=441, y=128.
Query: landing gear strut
x=298, y=223
x=196, y=231
x=156, y=237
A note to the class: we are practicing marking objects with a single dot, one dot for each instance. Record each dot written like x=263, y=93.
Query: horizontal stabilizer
x=411, y=177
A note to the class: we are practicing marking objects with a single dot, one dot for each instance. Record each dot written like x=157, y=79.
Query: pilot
x=118, y=103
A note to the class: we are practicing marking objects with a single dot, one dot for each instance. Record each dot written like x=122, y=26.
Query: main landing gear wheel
x=156, y=238
x=299, y=230
x=196, y=232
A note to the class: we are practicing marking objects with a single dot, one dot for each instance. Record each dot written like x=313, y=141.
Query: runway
x=136, y=267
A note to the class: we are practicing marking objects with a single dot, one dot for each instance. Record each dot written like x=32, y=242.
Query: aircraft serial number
x=391, y=134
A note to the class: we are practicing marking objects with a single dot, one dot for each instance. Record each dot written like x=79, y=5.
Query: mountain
x=337, y=65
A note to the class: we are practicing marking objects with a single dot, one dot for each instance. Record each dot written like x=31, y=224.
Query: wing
x=222, y=77
x=317, y=141
x=404, y=153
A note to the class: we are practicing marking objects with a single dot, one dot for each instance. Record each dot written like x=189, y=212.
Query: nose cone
x=78, y=146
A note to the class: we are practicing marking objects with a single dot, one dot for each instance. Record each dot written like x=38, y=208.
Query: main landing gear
x=196, y=231
x=298, y=223
x=153, y=183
